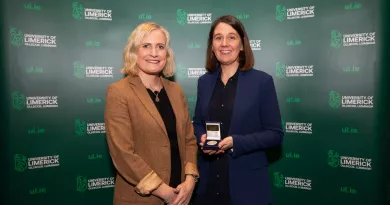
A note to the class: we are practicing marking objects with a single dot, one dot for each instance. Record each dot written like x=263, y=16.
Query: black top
x=166, y=112
x=220, y=110
x=222, y=103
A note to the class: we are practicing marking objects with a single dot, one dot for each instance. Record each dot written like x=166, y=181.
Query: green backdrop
x=327, y=58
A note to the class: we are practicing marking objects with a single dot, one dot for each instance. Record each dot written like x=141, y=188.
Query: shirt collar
x=234, y=77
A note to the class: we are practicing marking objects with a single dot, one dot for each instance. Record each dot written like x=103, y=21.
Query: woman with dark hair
x=243, y=102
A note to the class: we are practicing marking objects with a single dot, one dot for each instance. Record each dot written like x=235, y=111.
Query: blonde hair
x=130, y=52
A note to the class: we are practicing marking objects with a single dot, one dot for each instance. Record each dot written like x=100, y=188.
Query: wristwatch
x=195, y=177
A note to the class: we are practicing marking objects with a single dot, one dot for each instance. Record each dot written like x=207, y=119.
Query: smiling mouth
x=152, y=61
x=226, y=51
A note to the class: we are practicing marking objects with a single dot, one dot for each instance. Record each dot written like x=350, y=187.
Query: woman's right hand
x=165, y=192
x=209, y=152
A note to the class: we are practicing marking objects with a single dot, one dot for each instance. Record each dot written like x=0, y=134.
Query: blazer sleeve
x=121, y=146
x=190, y=141
x=197, y=121
x=272, y=132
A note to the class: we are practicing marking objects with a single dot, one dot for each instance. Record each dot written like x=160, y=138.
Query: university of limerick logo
x=20, y=162
x=281, y=13
x=280, y=70
x=283, y=125
x=333, y=158
x=79, y=69
x=18, y=100
x=16, y=37
x=82, y=184
x=334, y=99
x=278, y=179
x=80, y=127
x=78, y=10
x=336, y=39
x=181, y=71
x=181, y=16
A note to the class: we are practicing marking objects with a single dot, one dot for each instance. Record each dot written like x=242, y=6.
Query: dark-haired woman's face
x=226, y=44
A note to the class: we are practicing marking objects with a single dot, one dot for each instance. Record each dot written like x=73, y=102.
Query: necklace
x=156, y=94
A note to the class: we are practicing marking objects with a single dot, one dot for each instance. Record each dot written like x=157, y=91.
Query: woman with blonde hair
x=149, y=132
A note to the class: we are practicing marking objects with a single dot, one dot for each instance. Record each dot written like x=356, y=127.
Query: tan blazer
x=138, y=141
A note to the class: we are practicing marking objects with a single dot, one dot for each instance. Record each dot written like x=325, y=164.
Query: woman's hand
x=165, y=192
x=226, y=143
x=211, y=152
x=184, y=190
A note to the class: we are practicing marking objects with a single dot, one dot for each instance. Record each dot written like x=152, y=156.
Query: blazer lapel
x=239, y=101
x=143, y=95
x=209, y=92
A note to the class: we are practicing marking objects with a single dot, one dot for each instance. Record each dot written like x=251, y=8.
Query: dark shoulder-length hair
x=246, y=58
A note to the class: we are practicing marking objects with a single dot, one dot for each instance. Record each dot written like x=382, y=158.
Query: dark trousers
x=217, y=192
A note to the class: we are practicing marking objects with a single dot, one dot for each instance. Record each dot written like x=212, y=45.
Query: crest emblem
x=181, y=16
x=333, y=158
x=18, y=100
x=281, y=13
x=280, y=70
x=81, y=127
x=79, y=69
x=336, y=39
x=278, y=179
x=78, y=10
x=334, y=99
x=20, y=162
x=16, y=37
x=82, y=184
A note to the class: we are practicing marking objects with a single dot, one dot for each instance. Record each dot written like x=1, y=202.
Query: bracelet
x=194, y=176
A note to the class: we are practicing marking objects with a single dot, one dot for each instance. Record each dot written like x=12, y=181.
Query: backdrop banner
x=327, y=59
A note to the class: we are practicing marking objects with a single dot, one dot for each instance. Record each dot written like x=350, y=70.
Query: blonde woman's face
x=152, y=53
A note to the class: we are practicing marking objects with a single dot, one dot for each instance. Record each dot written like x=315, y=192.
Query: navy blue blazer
x=256, y=125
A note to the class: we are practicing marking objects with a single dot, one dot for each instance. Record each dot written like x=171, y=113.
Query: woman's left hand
x=226, y=143
x=184, y=191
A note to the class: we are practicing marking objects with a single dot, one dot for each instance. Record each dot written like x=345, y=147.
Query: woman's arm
x=272, y=132
x=121, y=146
x=191, y=146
